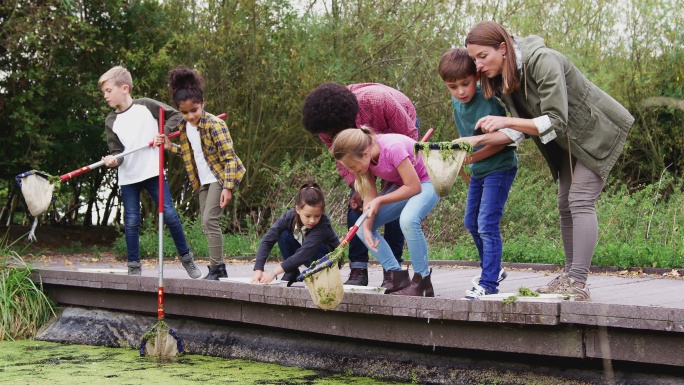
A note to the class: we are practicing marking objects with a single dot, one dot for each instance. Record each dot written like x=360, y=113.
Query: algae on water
x=50, y=363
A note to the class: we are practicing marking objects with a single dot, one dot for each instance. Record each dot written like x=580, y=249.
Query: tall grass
x=24, y=308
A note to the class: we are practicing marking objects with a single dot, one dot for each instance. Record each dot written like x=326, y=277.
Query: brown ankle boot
x=398, y=279
x=420, y=287
x=386, y=279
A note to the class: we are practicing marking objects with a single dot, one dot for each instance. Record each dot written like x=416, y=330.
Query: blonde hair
x=492, y=34
x=354, y=142
x=117, y=75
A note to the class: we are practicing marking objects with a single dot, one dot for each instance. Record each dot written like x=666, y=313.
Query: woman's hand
x=491, y=123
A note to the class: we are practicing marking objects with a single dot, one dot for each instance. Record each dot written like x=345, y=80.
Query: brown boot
x=398, y=279
x=386, y=279
x=420, y=287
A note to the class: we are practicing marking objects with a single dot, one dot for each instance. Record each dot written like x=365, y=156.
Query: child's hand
x=371, y=241
x=110, y=161
x=226, y=195
x=372, y=207
x=161, y=138
x=267, y=277
x=256, y=277
x=356, y=202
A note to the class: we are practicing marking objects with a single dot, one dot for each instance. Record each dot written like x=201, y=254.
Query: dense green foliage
x=24, y=308
x=261, y=58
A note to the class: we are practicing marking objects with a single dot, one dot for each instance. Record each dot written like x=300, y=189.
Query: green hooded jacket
x=596, y=124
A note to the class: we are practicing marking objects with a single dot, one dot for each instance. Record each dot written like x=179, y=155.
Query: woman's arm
x=492, y=138
x=491, y=123
x=484, y=153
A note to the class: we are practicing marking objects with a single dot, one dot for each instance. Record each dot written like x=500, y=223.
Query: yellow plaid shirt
x=217, y=147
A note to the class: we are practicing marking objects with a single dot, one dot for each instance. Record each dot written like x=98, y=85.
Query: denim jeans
x=484, y=208
x=358, y=253
x=289, y=245
x=130, y=195
x=410, y=213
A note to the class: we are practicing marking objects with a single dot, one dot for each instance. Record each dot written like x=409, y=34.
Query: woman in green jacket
x=579, y=129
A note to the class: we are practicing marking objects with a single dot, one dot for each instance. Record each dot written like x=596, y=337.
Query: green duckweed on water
x=40, y=362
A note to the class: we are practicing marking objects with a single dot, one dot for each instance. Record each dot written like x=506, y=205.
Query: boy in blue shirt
x=133, y=124
x=493, y=168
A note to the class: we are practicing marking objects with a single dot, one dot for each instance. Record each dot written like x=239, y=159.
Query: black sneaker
x=216, y=272
x=358, y=277
x=290, y=277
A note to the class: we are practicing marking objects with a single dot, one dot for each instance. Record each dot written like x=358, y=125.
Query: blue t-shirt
x=466, y=116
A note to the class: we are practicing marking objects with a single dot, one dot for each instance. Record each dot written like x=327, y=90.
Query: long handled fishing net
x=39, y=188
x=161, y=340
x=323, y=279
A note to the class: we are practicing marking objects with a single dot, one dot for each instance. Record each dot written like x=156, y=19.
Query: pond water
x=40, y=362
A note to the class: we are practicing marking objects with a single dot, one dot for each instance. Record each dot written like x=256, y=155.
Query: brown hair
x=455, y=64
x=353, y=142
x=309, y=194
x=117, y=75
x=491, y=34
x=186, y=84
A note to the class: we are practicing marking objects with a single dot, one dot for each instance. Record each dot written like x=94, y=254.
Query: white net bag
x=325, y=287
x=443, y=162
x=37, y=191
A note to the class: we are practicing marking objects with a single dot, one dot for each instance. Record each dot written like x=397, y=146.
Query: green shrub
x=24, y=308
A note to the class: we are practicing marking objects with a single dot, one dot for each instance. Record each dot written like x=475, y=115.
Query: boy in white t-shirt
x=133, y=124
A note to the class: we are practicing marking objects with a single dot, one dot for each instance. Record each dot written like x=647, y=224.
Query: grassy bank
x=24, y=308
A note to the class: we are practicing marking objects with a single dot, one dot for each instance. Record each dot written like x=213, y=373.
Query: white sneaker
x=476, y=292
x=502, y=275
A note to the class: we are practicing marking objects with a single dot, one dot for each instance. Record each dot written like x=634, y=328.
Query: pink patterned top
x=394, y=149
x=384, y=109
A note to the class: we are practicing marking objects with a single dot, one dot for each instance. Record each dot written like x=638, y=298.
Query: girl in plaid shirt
x=213, y=168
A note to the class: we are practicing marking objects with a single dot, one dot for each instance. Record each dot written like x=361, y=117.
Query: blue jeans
x=289, y=245
x=130, y=195
x=358, y=252
x=484, y=209
x=410, y=213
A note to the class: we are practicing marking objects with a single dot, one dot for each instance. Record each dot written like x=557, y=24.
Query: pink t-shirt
x=394, y=148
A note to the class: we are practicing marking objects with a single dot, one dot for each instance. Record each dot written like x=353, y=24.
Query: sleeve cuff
x=516, y=136
x=545, y=128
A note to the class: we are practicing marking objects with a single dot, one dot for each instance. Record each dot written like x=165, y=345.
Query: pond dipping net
x=443, y=161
